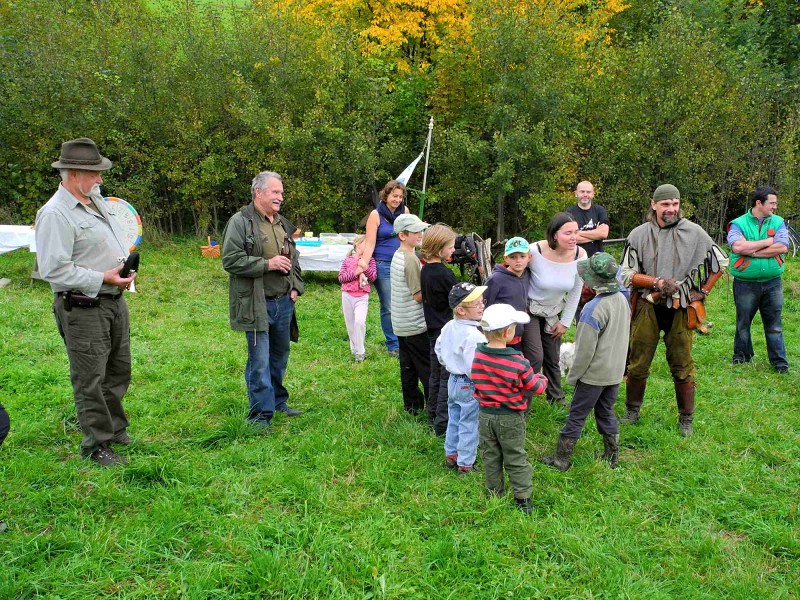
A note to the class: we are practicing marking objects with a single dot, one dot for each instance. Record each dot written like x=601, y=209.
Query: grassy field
x=351, y=499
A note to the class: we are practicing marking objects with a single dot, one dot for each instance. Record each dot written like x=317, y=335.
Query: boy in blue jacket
x=508, y=283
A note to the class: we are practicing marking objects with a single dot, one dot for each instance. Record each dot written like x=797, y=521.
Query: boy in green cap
x=601, y=345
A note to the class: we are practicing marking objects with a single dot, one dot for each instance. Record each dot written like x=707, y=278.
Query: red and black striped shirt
x=500, y=375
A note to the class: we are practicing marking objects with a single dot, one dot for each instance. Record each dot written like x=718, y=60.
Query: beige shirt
x=76, y=245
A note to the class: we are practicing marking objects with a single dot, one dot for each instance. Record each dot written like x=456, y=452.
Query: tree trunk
x=501, y=235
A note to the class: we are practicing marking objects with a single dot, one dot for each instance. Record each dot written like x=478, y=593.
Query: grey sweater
x=601, y=341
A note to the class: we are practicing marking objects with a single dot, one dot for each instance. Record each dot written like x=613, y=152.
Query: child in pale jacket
x=355, y=297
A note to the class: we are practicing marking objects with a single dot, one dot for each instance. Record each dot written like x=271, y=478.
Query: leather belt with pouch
x=76, y=299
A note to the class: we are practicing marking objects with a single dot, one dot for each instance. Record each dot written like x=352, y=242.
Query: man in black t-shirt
x=592, y=219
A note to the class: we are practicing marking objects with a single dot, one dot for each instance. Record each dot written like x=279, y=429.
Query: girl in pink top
x=355, y=296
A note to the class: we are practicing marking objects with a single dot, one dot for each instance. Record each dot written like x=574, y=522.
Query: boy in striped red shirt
x=504, y=382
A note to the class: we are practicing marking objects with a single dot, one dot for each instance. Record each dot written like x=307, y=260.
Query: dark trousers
x=5, y=424
x=437, y=389
x=99, y=351
x=601, y=398
x=544, y=354
x=415, y=367
x=765, y=297
x=267, y=359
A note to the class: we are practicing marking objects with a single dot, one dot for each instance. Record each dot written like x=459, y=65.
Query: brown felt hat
x=81, y=154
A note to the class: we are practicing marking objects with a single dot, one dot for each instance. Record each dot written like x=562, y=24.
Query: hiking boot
x=123, y=439
x=106, y=457
x=685, y=425
x=462, y=471
x=450, y=461
x=562, y=459
x=611, y=449
x=291, y=412
x=393, y=353
x=524, y=504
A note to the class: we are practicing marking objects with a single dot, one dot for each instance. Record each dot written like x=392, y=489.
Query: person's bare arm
x=373, y=222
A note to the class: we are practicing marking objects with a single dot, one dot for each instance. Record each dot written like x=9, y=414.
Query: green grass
x=350, y=500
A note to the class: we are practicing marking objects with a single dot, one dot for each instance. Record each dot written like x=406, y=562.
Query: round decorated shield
x=128, y=220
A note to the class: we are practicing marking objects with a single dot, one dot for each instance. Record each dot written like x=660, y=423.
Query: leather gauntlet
x=640, y=280
x=712, y=279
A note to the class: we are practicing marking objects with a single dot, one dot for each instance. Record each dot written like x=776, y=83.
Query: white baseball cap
x=500, y=316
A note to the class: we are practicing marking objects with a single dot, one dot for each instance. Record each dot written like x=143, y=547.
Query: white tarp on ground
x=13, y=237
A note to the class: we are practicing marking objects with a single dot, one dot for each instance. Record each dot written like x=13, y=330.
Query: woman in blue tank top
x=381, y=244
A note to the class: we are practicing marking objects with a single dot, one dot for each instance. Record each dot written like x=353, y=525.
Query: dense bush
x=191, y=99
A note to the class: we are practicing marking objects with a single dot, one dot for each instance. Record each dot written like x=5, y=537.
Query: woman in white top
x=553, y=296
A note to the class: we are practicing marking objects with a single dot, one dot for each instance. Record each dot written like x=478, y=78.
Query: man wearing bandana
x=670, y=264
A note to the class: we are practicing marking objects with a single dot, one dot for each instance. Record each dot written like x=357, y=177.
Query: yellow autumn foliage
x=409, y=32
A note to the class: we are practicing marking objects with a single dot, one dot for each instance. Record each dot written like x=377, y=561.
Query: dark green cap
x=599, y=272
x=666, y=192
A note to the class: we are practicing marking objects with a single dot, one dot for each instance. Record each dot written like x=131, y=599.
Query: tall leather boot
x=684, y=396
x=562, y=459
x=611, y=449
x=634, y=396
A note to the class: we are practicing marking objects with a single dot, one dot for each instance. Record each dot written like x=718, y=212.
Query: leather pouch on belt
x=83, y=301
x=696, y=314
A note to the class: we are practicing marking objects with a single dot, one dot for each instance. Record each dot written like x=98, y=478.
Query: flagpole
x=425, y=176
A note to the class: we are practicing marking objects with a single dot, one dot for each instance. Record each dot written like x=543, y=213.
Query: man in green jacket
x=261, y=258
x=758, y=241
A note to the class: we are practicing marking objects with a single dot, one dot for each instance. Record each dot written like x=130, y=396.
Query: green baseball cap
x=517, y=244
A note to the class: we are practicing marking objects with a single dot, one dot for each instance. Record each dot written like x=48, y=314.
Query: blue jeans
x=462, y=425
x=267, y=357
x=384, y=287
x=767, y=298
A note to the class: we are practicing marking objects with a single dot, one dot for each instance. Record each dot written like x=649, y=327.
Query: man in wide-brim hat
x=80, y=252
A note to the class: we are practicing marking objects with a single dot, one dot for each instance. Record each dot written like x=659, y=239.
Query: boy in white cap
x=504, y=382
x=408, y=318
x=455, y=349
x=601, y=345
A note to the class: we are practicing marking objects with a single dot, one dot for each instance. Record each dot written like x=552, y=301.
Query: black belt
x=278, y=297
x=72, y=299
x=109, y=296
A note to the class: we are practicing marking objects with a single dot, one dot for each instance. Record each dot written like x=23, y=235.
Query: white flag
x=406, y=175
